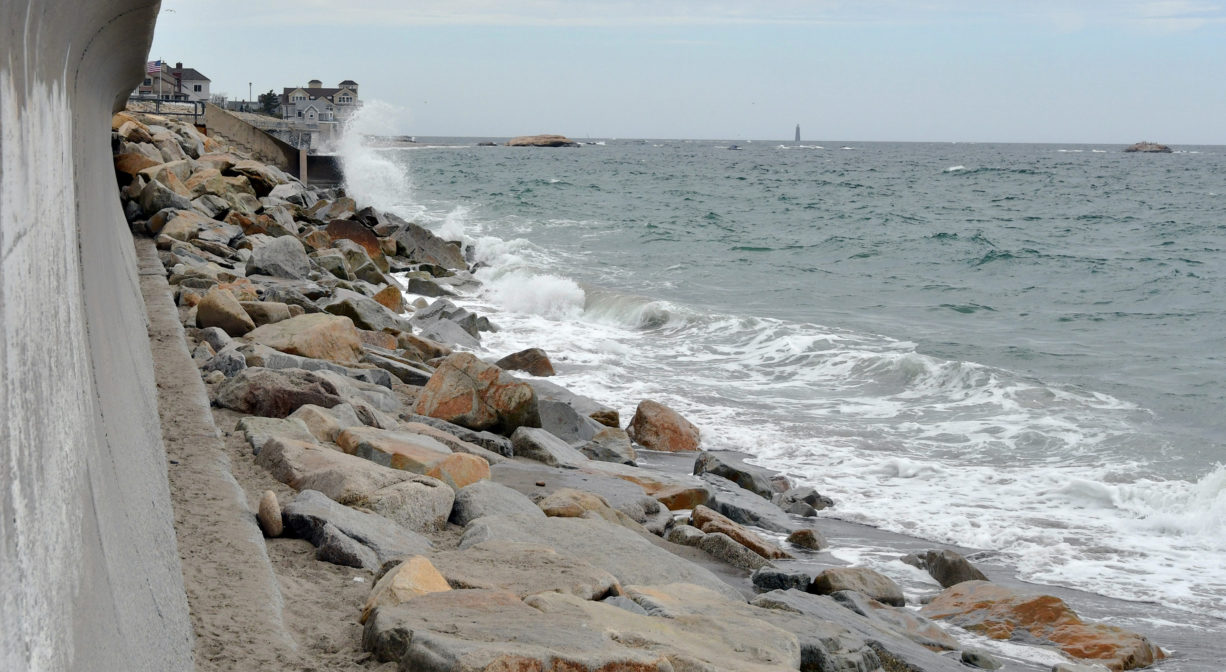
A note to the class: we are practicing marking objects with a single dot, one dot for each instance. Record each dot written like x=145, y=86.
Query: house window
x=300, y=113
x=197, y=88
x=148, y=81
x=345, y=100
x=298, y=98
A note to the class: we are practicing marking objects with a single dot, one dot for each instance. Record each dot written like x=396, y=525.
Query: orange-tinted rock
x=1003, y=613
x=316, y=240
x=421, y=349
x=314, y=335
x=413, y=577
x=392, y=299
x=658, y=427
x=414, y=452
x=532, y=360
x=710, y=521
x=128, y=165
x=680, y=497
x=219, y=308
x=471, y=393
x=347, y=229
x=379, y=339
x=242, y=289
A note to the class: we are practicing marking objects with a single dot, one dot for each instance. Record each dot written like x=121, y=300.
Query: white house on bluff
x=314, y=104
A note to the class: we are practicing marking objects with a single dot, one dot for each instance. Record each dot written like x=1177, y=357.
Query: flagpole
x=159, y=79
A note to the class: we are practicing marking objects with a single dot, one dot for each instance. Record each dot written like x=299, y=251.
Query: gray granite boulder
x=727, y=550
x=275, y=394
x=894, y=651
x=870, y=582
x=487, y=498
x=610, y=444
x=337, y=528
x=745, y=507
x=947, y=567
x=410, y=500
x=283, y=257
x=731, y=465
x=564, y=422
x=625, y=554
x=538, y=444
x=365, y=312
x=523, y=569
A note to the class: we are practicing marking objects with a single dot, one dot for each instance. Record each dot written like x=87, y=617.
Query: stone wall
x=89, y=571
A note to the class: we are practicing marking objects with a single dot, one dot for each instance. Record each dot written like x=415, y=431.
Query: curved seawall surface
x=89, y=572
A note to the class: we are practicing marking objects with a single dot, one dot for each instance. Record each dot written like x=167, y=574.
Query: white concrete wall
x=89, y=572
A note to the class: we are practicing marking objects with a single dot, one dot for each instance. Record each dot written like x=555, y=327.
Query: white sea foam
x=372, y=176
x=954, y=169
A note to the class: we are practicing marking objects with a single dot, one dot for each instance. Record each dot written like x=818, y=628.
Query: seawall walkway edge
x=233, y=595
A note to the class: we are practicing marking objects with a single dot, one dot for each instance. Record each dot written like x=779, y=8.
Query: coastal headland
x=424, y=503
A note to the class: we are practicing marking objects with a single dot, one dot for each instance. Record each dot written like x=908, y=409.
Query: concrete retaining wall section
x=263, y=146
x=89, y=571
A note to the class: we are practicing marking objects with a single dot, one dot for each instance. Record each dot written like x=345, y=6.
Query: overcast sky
x=1095, y=71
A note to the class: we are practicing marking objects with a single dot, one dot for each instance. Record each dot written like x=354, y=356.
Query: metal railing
x=169, y=108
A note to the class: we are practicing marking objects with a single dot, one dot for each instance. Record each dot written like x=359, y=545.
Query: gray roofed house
x=315, y=103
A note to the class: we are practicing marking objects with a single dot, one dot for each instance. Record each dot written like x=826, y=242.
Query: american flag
x=153, y=66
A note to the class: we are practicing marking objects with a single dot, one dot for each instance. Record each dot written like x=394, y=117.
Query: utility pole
x=248, y=96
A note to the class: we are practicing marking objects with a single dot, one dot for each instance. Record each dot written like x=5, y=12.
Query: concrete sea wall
x=89, y=571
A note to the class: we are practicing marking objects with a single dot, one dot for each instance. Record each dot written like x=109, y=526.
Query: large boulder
x=549, y=391
x=283, y=257
x=413, y=577
x=745, y=507
x=658, y=427
x=1003, y=613
x=414, y=452
x=949, y=568
x=564, y=422
x=275, y=394
x=412, y=501
x=731, y=465
x=488, y=498
x=469, y=392
x=860, y=579
x=533, y=361
x=892, y=650
x=365, y=312
x=314, y=335
x=610, y=444
x=220, y=309
x=624, y=553
x=524, y=569
x=348, y=536
x=537, y=444
x=422, y=246
x=494, y=630
x=347, y=229
x=710, y=522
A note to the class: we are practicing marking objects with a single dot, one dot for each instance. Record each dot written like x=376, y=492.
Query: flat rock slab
x=468, y=630
x=487, y=498
x=892, y=648
x=275, y=394
x=524, y=569
x=623, y=553
x=745, y=507
x=315, y=517
x=824, y=646
x=410, y=500
x=623, y=495
x=539, y=444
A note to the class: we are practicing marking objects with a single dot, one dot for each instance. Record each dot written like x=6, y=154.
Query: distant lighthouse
x=797, y=132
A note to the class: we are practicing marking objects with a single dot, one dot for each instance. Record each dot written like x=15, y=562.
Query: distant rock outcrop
x=1149, y=147
x=542, y=141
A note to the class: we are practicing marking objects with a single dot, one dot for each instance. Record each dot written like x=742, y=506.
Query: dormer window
x=345, y=99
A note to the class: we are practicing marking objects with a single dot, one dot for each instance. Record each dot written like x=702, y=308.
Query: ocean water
x=1015, y=348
